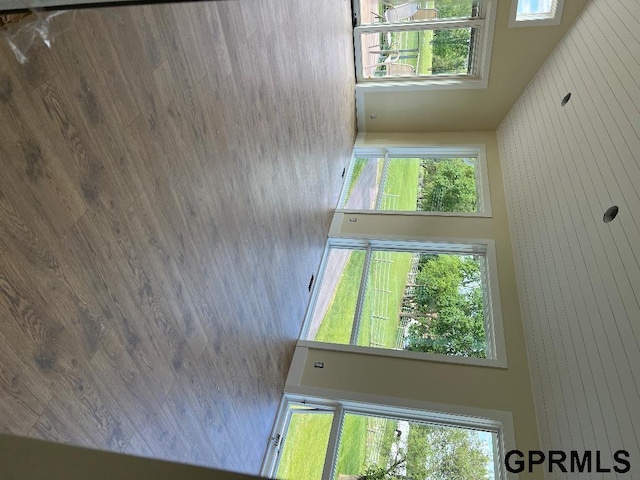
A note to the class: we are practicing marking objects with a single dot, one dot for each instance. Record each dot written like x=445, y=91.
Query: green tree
x=449, y=185
x=445, y=453
x=435, y=453
x=453, y=8
x=450, y=47
x=448, y=307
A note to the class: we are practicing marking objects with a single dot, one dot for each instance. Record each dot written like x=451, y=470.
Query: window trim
x=494, y=330
x=498, y=422
x=536, y=20
x=482, y=175
x=486, y=25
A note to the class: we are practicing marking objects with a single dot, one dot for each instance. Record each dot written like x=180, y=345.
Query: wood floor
x=167, y=178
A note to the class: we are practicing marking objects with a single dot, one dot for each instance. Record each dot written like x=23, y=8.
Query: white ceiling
x=578, y=277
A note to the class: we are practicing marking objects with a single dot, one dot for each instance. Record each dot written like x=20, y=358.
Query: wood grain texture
x=168, y=177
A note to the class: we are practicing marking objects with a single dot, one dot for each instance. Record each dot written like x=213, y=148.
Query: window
x=324, y=440
x=535, y=13
x=416, y=298
x=423, y=43
x=436, y=180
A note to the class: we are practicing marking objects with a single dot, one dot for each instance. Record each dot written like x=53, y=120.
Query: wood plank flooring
x=167, y=178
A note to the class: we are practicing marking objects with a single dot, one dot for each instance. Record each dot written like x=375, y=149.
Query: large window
x=417, y=298
x=423, y=42
x=437, y=180
x=323, y=440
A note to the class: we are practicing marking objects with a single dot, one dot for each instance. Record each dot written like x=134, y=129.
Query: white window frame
x=536, y=19
x=494, y=333
x=500, y=423
x=485, y=23
x=444, y=151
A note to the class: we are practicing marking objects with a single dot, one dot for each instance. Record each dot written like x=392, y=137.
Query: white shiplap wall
x=579, y=278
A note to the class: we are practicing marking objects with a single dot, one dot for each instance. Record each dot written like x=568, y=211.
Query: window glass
x=535, y=12
x=381, y=11
x=305, y=445
x=388, y=448
x=413, y=184
x=335, y=304
x=411, y=300
x=418, y=52
x=528, y=8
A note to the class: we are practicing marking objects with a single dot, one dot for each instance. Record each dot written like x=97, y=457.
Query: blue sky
x=534, y=6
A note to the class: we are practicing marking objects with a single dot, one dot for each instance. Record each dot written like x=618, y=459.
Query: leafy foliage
x=451, y=46
x=445, y=453
x=449, y=311
x=449, y=186
x=435, y=453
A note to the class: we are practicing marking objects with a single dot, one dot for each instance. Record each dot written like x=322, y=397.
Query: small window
x=535, y=13
x=406, y=296
x=341, y=440
x=446, y=181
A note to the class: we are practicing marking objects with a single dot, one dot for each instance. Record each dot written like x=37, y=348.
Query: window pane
x=418, y=52
x=424, y=302
x=382, y=11
x=362, y=189
x=410, y=184
x=305, y=446
x=447, y=185
x=335, y=305
x=535, y=7
x=393, y=448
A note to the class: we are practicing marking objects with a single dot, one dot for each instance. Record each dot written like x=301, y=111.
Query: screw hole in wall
x=610, y=214
x=566, y=99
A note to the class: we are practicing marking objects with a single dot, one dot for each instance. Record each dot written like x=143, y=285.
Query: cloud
x=534, y=6
x=524, y=6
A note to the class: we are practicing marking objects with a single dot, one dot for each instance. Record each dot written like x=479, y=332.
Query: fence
x=375, y=437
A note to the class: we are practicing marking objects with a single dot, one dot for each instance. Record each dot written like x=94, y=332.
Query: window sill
x=418, y=84
x=383, y=352
x=348, y=211
x=539, y=22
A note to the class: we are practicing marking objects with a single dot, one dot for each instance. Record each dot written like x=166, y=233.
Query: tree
x=449, y=307
x=450, y=47
x=435, y=453
x=449, y=186
x=453, y=8
x=445, y=453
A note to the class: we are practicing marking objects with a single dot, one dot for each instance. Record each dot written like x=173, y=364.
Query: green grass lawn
x=398, y=271
x=310, y=433
x=402, y=180
x=305, y=447
x=306, y=443
x=358, y=166
x=338, y=321
x=420, y=41
x=352, y=450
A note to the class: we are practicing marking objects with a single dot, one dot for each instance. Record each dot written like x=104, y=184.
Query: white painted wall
x=579, y=278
